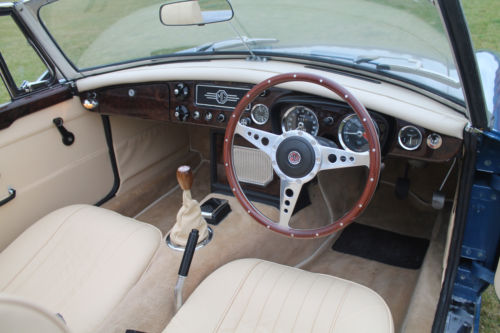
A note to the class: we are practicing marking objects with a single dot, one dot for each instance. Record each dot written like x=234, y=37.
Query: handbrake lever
x=184, y=268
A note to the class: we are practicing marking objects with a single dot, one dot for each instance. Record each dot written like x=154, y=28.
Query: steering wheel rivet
x=268, y=226
x=294, y=75
x=234, y=190
x=373, y=150
x=226, y=140
x=371, y=179
x=321, y=81
x=292, y=235
x=341, y=224
x=317, y=235
x=268, y=81
x=234, y=116
x=227, y=164
x=360, y=205
x=346, y=96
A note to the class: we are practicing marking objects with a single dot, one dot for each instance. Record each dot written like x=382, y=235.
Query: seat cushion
x=252, y=295
x=78, y=261
x=22, y=316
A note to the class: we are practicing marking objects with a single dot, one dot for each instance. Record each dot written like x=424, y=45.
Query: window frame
x=14, y=91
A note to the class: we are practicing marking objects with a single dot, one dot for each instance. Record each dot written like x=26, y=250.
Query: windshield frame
x=343, y=67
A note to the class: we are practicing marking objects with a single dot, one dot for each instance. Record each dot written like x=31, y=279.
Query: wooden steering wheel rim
x=374, y=155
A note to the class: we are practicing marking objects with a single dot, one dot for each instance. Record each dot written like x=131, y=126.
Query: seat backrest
x=22, y=316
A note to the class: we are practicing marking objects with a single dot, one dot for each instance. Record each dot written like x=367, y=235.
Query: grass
x=490, y=312
x=483, y=19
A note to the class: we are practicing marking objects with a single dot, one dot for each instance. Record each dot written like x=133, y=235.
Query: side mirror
x=195, y=12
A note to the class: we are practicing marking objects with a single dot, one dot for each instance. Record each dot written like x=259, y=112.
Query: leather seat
x=19, y=315
x=79, y=262
x=252, y=295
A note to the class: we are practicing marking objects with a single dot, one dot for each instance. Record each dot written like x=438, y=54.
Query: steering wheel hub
x=295, y=157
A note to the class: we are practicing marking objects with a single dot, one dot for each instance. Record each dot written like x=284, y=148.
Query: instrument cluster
x=334, y=122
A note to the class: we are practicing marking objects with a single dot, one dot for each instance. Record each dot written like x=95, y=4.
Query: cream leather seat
x=252, y=295
x=79, y=262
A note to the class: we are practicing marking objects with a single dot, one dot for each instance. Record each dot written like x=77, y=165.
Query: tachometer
x=352, y=135
x=302, y=118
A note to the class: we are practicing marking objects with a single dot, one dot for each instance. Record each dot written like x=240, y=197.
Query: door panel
x=47, y=174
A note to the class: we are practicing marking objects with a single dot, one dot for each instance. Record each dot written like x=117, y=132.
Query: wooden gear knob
x=185, y=177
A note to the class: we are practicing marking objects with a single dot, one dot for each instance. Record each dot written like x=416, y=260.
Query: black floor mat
x=382, y=246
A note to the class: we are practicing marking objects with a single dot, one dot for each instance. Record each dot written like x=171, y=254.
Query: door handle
x=12, y=195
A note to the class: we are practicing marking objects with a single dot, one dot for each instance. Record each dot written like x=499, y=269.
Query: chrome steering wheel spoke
x=289, y=194
x=259, y=138
x=334, y=158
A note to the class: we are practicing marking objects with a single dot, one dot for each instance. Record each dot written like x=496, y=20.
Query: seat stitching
x=304, y=300
x=250, y=298
x=297, y=275
x=267, y=298
x=332, y=283
x=233, y=298
x=339, y=307
x=41, y=247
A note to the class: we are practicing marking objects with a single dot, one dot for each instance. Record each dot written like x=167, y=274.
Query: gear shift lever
x=189, y=216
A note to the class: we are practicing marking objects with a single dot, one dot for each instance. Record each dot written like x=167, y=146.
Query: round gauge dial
x=260, y=114
x=302, y=118
x=410, y=137
x=352, y=135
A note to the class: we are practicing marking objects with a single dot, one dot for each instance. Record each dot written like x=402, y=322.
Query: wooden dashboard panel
x=146, y=101
x=160, y=101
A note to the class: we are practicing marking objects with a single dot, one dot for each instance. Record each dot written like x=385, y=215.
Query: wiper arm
x=416, y=69
x=232, y=43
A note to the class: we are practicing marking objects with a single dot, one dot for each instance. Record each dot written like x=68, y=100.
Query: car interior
x=106, y=168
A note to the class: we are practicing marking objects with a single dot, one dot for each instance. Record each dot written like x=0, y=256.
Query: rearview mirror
x=195, y=12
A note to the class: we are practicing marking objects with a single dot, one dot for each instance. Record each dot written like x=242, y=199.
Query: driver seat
x=252, y=295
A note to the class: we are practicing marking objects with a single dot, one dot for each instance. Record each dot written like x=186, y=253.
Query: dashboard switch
x=208, y=116
x=196, y=115
x=328, y=121
x=181, y=91
x=246, y=121
x=221, y=118
x=181, y=113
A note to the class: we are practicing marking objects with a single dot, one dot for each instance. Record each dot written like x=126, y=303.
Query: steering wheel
x=297, y=157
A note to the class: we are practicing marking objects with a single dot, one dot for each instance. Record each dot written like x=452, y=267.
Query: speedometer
x=301, y=118
x=352, y=135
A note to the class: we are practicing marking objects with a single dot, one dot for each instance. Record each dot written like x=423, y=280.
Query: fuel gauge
x=410, y=137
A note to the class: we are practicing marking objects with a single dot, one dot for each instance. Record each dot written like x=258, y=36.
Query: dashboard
x=210, y=103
